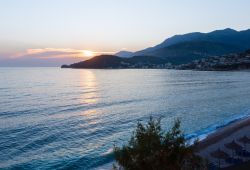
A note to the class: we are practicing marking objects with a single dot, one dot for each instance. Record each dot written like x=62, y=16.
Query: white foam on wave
x=202, y=134
x=109, y=151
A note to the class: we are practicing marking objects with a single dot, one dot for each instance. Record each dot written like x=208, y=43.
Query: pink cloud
x=48, y=57
x=57, y=53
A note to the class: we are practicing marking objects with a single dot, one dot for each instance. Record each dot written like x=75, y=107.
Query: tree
x=150, y=149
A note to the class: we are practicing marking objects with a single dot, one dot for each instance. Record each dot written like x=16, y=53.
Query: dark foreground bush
x=150, y=149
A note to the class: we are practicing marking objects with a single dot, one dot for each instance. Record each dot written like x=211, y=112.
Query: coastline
x=223, y=132
x=225, y=135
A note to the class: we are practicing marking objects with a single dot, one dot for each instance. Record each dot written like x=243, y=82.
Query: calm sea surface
x=52, y=118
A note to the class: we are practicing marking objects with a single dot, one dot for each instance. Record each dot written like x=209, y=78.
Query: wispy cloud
x=47, y=56
x=58, y=53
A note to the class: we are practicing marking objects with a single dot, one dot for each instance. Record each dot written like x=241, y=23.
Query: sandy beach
x=225, y=135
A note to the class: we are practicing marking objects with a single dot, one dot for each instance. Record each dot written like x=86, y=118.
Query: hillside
x=240, y=61
x=111, y=61
x=238, y=39
x=187, y=51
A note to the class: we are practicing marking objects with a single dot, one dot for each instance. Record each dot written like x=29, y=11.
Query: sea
x=53, y=118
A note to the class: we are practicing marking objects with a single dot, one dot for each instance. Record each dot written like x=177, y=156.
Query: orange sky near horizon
x=58, y=53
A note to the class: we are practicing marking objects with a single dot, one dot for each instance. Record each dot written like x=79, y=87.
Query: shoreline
x=222, y=137
x=223, y=132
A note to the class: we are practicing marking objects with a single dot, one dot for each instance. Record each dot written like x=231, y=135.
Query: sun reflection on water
x=90, y=95
x=89, y=85
x=89, y=112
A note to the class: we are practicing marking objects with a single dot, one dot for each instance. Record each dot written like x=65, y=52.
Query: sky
x=52, y=32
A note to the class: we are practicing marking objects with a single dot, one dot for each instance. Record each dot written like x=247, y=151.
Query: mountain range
x=181, y=49
x=200, y=44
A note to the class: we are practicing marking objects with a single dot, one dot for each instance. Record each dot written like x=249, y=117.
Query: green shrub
x=150, y=149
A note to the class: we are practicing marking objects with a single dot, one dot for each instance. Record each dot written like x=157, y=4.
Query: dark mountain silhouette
x=102, y=61
x=239, y=39
x=187, y=51
x=111, y=61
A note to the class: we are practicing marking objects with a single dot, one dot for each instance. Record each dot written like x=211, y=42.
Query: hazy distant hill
x=124, y=54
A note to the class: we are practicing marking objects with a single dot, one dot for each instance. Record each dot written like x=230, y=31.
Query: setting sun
x=87, y=53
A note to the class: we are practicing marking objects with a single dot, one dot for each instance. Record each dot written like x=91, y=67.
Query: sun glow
x=46, y=53
x=87, y=53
